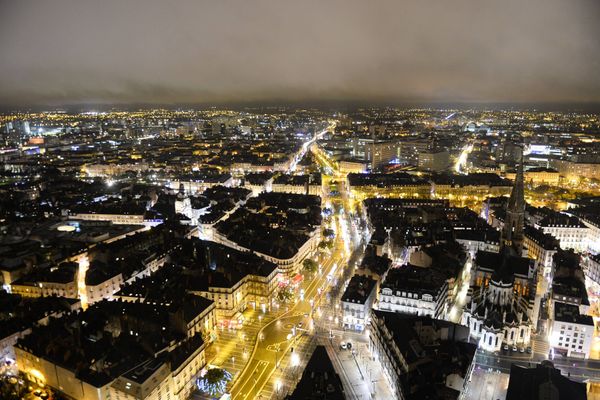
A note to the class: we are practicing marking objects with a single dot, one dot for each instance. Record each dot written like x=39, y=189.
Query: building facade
x=357, y=301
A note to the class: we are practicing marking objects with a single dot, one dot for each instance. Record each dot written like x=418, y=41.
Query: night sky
x=144, y=51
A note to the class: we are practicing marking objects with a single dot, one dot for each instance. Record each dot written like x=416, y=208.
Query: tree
x=328, y=233
x=310, y=265
x=214, y=382
x=325, y=244
x=285, y=295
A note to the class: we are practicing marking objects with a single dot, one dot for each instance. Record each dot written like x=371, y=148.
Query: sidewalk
x=486, y=384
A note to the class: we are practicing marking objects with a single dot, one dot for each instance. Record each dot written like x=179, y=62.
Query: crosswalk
x=540, y=346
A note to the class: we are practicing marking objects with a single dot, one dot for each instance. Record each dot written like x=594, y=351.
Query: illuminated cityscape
x=244, y=224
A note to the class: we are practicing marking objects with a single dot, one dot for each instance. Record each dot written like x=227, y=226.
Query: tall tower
x=512, y=233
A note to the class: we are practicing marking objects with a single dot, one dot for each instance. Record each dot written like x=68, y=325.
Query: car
x=299, y=324
x=343, y=346
x=529, y=350
x=514, y=348
x=521, y=350
x=505, y=347
x=349, y=345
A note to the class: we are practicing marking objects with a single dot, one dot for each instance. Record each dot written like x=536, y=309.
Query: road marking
x=254, y=381
x=258, y=364
x=309, y=293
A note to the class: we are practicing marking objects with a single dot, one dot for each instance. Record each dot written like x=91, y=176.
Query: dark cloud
x=68, y=51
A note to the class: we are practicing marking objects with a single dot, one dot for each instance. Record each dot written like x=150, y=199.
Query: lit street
x=299, y=200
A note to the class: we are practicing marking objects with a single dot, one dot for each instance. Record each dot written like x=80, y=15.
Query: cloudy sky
x=132, y=51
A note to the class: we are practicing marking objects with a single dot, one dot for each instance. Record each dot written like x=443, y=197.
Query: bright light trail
x=462, y=159
x=306, y=145
x=450, y=116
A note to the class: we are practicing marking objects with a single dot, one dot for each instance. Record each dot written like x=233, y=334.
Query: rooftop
x=319, y=379
x=504, y=267
x=415, y=280
x=570, y=313
x=477, y=179
x=545, y=240
x=359, y=289
x=542, y=381
x=386, y=180
x=433, y=349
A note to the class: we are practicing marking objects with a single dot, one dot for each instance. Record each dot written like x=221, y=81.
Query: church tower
x=512, y=233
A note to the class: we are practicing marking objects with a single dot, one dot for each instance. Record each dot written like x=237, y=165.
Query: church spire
x=512, y=233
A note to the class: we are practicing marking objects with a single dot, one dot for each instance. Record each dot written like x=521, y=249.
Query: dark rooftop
x=505, y=266
x=319, y=379
x=570, y=313
x=359, y=289
x=430, y=361
x=477, y=179
x=542, y=382
x=545, y=240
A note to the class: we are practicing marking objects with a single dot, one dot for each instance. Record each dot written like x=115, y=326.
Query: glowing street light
x=295, y=359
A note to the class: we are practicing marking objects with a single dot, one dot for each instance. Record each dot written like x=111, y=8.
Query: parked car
x=521, y=350
x=529, y=350
x=349, y=345
x=505, y=347
x=343, y=346
x=514, y=348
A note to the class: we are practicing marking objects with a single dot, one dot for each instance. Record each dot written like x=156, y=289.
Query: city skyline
x=274, y=253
